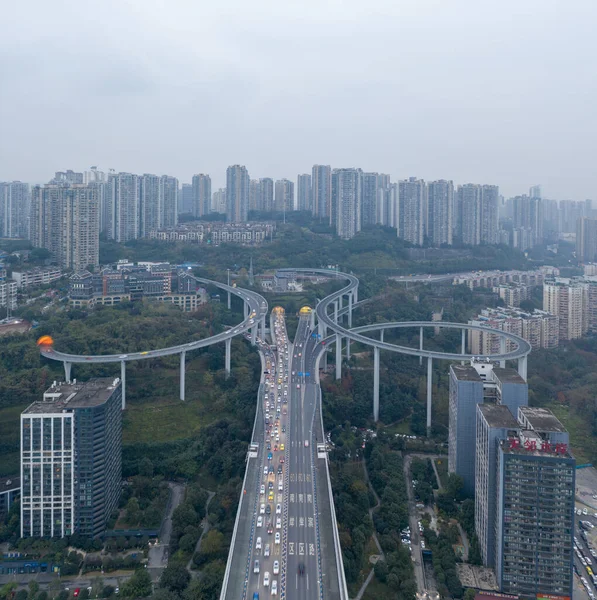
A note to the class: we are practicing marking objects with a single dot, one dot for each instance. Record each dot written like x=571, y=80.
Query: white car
x=265, y=470
x=276, y=567
x=585, y=511
x=306, y=443
x=266, y=579
x=256, y=567
x=278, y=509
x=278, y=523
x=298, y=386
x=260, y=521
x=277, y=538
x=258, y=544
x=262, y=507
x=266, y=550
x=280, y=486
x=262, y=490
x=275, y=587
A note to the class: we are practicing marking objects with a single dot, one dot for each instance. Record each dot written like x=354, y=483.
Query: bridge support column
x=522, y=367
x=336, y=311
x=381, y=331
x=322, y=329
x=420, y=344
x=429, y=388
x=246, y=309
x=376, y=384
x=338, y=356
x=263, y=327
x=502, y=351
x=356, y=295
x=228, y=351
x=229, y=301
x=183, y=361
x=253, y=334
x=123, y=380
x=349, y=311
x=463, y=344
x=347, y=348
x=312, y=320
x=67, y=369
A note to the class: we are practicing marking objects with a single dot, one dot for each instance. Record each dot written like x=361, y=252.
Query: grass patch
x=584, y=445
x=441, y=465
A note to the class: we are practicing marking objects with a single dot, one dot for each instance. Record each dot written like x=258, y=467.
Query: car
x=255, y=595
x=585, y=511
x=265, y=470
x=77, y=592
x=268, y=509
x=144, y=353
x=280, y=486
x=258, y=544
x=270, y=529
x=256, y=567
x=270, y=496
x=262, y=490
x=270, y=485
x=301, y=569
x=277, y=538
x=284, y=431
x=269, y=456
x=306, y=444
x=275, y=587
x=262, y=509
x=282, y=460
x=122, y=356
x=298, y=386
x=266, y=550
x=260, y=521
x=117, y=590
x=266, y=579
x=279, y=523
x=276, y=567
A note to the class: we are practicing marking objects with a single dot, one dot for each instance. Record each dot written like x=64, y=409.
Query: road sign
x=307, y=374
x=300, y=373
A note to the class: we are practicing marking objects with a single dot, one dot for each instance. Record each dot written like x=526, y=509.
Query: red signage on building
x=559, y=448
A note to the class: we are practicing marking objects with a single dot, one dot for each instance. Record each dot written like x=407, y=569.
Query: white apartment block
x=491, y=279
x=25, y=279
x=8, y=294
x=569, y=300
x=513, y=293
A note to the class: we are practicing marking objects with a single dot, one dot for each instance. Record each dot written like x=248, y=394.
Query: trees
x=175, y=578
x=138, y=586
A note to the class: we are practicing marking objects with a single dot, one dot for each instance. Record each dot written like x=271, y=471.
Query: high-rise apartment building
x=65, y=220
x=266, y=194
x=412, y=195
x=284, y=195
x=68, y=176
x=321, y=181
x=369, y=199
x=535, y=191
x=149, y=203
x=568, y=300
x=168, y=213
x=237, y=194
x=122, y=198
x=71, y=459
x=8, y=293
x=201, y=184
x=304, y=192
x=535, y=476
x=254, y=199
x=527, y=215
x=494, y=423
x=440, y=203
x=346, y=202
x=490, y=198
x=15, y=200
x=477, y=214
x=586, y=239
x=218, y=201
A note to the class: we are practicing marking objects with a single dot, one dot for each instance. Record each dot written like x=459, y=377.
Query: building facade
x=284, y=195
x=440, y=202
x=304, y=192
x=346, y=202
x=237, y=194
x=71, y=459
x=321, y=179
x=201, y=191
x=412, y=195
x=15, y=199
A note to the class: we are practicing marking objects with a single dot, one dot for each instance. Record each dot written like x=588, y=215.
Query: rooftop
x=540, y=419
x=68, y=396
x=465, y=373
x=507, y=375
x=498, y=415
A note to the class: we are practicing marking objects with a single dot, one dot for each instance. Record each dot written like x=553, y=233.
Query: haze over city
x=495, y=94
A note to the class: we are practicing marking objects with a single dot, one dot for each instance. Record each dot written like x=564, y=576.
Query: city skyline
x=474, y=93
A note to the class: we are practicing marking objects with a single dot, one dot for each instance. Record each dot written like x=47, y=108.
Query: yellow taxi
x=282, y=447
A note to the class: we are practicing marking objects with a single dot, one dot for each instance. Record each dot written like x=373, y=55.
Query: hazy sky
x=478, y=91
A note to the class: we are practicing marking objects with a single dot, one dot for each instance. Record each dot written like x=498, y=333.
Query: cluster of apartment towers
x=517, y=461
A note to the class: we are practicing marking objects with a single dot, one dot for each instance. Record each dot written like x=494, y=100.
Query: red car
x=76, y=592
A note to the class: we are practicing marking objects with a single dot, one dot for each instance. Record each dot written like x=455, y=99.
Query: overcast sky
x=481, y=91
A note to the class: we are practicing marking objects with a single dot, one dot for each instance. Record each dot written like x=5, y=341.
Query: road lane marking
x=301, y=549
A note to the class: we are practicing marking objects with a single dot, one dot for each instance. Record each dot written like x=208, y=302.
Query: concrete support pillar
x=123, y=380
x=347, y=348
x=338, y=356
x=522, y=367
x=376, y=384
x=429, y=388
x=228, y=352
x=349, y=311
x=420, y=344
x=502, y=351
x=183, y=361
x=67, y=369
x=381, y=332
x=312, y=320
x=356, y=295
x=339, y=302
x=246, y=309
x=229, y=300
x=254, y=335
x=263, y=327
x=322, y=330
x=463, y=344
x=336, y=311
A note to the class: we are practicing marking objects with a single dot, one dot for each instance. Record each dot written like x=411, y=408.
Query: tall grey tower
x=321, y=182
x=440, y=205
x=411, y=210
x=201, y=195
x=346, y=201
x=237, y=194
x=369, y=199
x=304, y=192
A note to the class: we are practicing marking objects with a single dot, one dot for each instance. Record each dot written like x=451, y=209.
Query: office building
x=266, y=194
x=122, y=199
x=284, y=196
x=237, y=194
x=71, y=459
x=535, y=476
x=440, y=202
x=494, y=423
x=14, y=209
x=321, y=181
x=412, y=195
x=65, y=220
x=466, y=391
x=201, y=189
x=369, y=198
x=586, y=239
x=186, y=199
x=303, y=192
x=346, y=202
